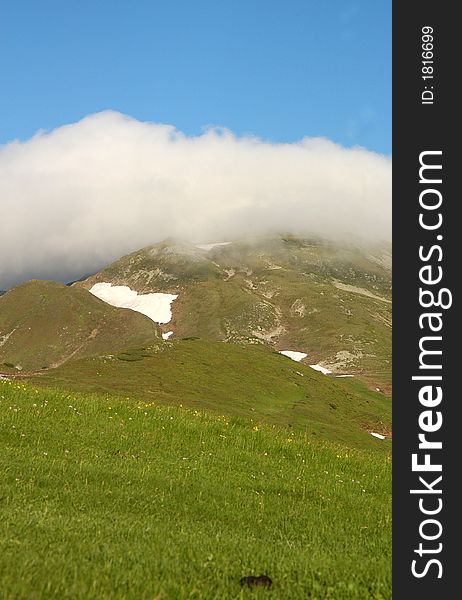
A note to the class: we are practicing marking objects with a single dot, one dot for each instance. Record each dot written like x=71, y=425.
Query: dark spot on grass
x=129, y=357
x=254, y=581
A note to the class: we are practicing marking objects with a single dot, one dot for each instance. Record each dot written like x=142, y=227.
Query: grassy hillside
x=244, y=381
x=43, y=324
x=116, y=499
x=332, y=302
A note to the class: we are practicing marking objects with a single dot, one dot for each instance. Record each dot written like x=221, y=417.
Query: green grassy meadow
x=127, y=498
x=244, y=381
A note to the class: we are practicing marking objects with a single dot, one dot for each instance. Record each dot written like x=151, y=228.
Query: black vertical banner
x=427, y=349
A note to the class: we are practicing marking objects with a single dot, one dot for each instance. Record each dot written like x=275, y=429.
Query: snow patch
x=378, y=435
x=323, y=370
x=210, y=246
x=165, y=336
x=156, y=306
x=340, y=376
x=298, y=356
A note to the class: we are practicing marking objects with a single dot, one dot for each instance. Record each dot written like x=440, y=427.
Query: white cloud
x=84, y=194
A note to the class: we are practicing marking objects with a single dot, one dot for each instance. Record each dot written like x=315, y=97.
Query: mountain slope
x=329, y=301
x=252, y=382
x=44, y=324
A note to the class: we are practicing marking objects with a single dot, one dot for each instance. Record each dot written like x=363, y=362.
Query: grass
x=237, y=380
x=126, y=499
x=43, y=323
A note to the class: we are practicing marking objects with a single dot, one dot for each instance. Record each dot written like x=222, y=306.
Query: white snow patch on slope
x=298, y=356
x=323, y=370
x=378, y=435
x=210, y=246
x=155, y=306
x=165, y=336
x=340, y=376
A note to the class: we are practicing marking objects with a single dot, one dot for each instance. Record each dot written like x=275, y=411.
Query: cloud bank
x=77, y=197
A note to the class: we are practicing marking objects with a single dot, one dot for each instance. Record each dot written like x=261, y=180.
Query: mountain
x=44, y=324
x=261, y=463
x=228, y=310
x=329, y=301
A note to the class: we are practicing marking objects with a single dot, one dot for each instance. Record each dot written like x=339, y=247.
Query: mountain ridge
x=329, y=301
x=233, y=308
x=44, y=324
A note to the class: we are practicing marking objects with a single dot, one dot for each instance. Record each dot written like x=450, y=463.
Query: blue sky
x=278, y=69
